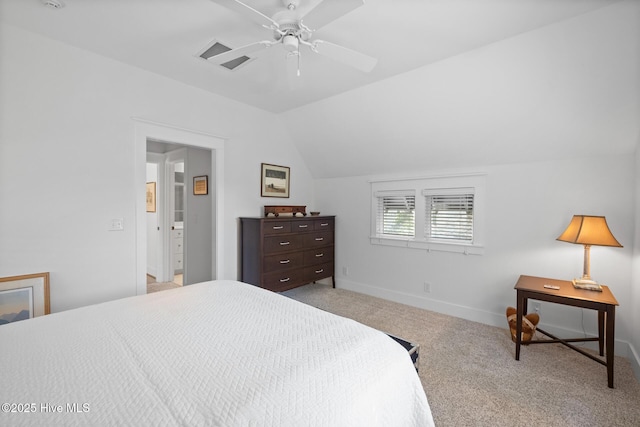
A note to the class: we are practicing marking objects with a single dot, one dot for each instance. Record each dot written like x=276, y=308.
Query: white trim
x=459, y=248
x=168, y=256
x=147, y=129
x=417, y=178
x=634, y=359
x=158, y=160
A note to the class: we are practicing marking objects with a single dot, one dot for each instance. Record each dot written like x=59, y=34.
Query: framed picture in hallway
x=201, y=185
x=151, y=196
x=275, y=181
x=23, y=297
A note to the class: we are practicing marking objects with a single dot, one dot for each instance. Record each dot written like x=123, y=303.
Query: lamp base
x=587, y=284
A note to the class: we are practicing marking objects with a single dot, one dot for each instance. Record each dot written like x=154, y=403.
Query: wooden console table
x=529, y=287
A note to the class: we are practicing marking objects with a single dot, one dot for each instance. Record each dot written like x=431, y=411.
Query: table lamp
x=588, y=230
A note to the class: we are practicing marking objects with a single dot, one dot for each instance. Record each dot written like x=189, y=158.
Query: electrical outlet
x=345, y=271
x=427, y=287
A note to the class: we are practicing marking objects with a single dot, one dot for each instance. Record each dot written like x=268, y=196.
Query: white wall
x=528, y=206
x=152, y=223
x=198, y=248
x=63, y=106
x=634, y=301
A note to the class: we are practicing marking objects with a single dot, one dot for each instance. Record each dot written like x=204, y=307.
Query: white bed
x=219, y=353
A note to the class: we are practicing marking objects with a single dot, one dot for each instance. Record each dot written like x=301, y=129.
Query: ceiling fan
x=293, y=29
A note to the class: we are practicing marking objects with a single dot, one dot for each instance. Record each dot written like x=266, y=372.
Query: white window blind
x=449, y=215
x=396, y=213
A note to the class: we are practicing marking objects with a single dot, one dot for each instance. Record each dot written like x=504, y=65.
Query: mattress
x=220, y=353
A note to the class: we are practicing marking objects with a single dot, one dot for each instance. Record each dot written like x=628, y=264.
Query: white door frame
x=146, y=129
x=159, y=161
x=168, y=255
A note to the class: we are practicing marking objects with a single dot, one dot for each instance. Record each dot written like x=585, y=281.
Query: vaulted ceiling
x=166, y=36
x=432, y=91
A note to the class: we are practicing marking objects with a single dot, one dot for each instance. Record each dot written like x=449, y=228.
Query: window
x=450, y=213
x=396, y=214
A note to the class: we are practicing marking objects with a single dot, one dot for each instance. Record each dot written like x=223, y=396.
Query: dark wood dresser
x=283, y=253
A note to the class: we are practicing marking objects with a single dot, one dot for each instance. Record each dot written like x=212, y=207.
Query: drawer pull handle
x=319, y=239
x=302, y=226
x=285, y=261
x=284, y=280
x=324, y=224
x=319, y=255
x=285, y=243
x=319, y=271
x=278, y=227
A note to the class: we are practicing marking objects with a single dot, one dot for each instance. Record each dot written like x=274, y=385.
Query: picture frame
x=275, y=181
x=151, y=196
x=201, y=185
x=24, y=297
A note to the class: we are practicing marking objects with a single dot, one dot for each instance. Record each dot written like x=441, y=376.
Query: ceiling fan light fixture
x=290, y=43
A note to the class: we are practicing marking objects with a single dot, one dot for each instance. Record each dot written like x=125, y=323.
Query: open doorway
x=179, y=246
x=201, y=265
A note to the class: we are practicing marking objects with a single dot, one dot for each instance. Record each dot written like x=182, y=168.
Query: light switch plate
x=116, y=224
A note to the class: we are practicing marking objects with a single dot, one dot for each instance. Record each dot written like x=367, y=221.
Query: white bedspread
x=219, y=353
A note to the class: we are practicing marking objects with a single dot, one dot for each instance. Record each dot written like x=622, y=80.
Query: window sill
x=460, y=248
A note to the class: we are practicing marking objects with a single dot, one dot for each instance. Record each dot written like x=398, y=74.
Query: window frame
x=474, y=183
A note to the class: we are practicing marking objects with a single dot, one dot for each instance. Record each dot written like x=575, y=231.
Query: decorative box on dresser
x=286, y=252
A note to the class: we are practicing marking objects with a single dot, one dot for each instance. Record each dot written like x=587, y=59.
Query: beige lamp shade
x=589, y=230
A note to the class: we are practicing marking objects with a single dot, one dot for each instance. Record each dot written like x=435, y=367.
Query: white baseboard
x=634, y=359
x=443, y=307
x=622, y=348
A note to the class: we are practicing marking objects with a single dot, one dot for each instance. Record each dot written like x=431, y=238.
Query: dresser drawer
x=301, y=226
x=289, y=242
x=178, y=262
x=318, y=256
x=284, y=261
x=282, y=280
x=177, y=246
x=320, y=271
x=318, y=238
x=277, y=227
x=323, y=224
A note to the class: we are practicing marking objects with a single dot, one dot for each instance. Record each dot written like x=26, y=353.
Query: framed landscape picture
x=23, y=297
x=275, y=181
x=151, y=196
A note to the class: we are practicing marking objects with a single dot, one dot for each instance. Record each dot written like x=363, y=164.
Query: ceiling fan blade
x=347, y=56
x=232, y=54
x=327, y=11
x=248, y=11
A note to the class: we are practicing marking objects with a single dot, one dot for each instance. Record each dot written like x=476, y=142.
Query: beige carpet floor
x=470, y=375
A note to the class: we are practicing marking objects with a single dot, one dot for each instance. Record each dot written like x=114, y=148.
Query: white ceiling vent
x=217, y=48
